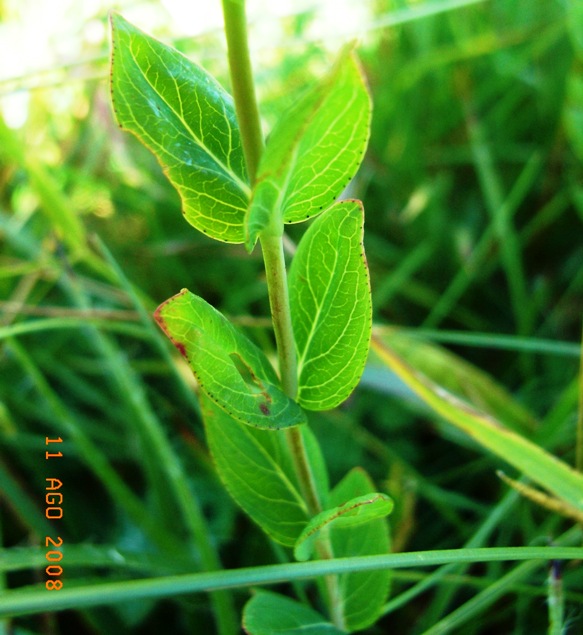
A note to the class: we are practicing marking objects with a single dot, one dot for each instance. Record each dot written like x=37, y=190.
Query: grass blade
x=35, y=600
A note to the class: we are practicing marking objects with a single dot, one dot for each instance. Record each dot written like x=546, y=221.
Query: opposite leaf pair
x=188, y=121
x=331, y=317
x=257, y=470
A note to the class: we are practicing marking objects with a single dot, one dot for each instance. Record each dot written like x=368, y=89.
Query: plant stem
x=272, y=246
x=556, y=599
x=275, y=272
x=280, y=312
x=273, y=256
x=242, y=83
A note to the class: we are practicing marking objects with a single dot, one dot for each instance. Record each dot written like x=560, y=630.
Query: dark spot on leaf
x=181, y=348
x=254, y=383
x=264, y=409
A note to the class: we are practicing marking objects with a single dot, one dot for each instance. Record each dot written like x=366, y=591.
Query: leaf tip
x=250, y=242
x=117, y=21
x=159, y=313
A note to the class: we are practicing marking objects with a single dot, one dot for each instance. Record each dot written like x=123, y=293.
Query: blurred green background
x=473, y=191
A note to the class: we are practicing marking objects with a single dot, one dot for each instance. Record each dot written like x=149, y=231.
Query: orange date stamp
x=53, y=511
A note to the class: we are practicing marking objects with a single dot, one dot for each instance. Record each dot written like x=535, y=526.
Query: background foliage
x=473, y=193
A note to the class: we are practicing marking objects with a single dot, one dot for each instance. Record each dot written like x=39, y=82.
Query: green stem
x=242, y=83
x=280, y=313
x=272, y=246
x=273, y=256
x=556, y=600
x=275, y=272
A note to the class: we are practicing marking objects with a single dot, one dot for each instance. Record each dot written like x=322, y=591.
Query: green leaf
x=533, y=461
x=314, y=150
x=352, y=513
x=257, y=470
x=331, y=307
x=269, y=613
x=231, y=370
x=364, y=593
x=188, y=121
x=457, y=376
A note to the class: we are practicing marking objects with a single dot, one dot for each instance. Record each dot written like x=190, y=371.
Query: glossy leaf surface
x=314, y=150
x=269, y=613
x=331, y=307
x=256, y=469
x=188, y=121
x=351, y=513
x=365, y=593
x=231, y=370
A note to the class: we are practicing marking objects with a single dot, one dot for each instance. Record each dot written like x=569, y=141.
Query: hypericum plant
x=236, y=190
